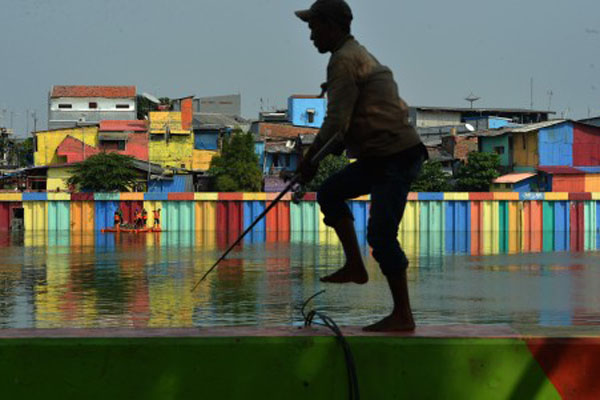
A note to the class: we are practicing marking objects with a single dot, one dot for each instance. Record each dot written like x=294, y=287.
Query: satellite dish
x=151, y=98
x=470, y=127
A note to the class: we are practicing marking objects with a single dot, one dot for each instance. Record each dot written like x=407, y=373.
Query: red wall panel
x=5, y=216
x=568, y=183
x=128, y=209
x=586, y=145
x=577, y=226
x=230, y=216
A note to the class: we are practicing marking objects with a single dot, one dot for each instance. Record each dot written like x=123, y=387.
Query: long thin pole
x=248, y=229
x=316, y=158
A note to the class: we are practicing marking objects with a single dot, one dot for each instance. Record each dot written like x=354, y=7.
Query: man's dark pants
x=388, y=180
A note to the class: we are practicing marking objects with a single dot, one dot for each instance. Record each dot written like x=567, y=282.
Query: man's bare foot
x=346, y=274
x=392, y=323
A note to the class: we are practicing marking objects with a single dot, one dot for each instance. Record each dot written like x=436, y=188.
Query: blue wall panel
x=458, y=226
x=252, y=209
x=104, y=214
x=34, y=196
x=556, y=145
x=206, y=140
x=298, y=115
x=360, y=211
x=561, y=225
x=178, y=184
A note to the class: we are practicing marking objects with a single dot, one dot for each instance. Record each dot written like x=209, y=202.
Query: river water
x=105, y=280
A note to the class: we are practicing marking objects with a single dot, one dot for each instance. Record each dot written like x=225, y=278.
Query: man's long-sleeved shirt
x=363, y=104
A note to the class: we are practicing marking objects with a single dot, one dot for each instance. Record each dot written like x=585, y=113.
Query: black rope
x=309, y=319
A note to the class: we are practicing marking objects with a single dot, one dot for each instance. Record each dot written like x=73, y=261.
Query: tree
x=236, y=168
x=24, y=152
x=431, y=179
x=327, y=167
x=105, y=172
x=479, y=172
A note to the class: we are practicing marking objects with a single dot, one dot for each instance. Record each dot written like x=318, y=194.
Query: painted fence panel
x=206, y=215
x=278, y=219
x=178, y=216
x=59, y=216
x=304, y=216
x=35, y=215
x=252, y=209
x=151, y=206
x=410, y=221
x=6, y=211
x=577, y=222
x=104, y=214
x=589, y=225
x=548, y=226
x=82, y=216
x=360, y=211
x=129, y=207
x=229, y=216
x=562, y=224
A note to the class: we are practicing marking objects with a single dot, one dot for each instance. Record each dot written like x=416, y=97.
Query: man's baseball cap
x=336, y=10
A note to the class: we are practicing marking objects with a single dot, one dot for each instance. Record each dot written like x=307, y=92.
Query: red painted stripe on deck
x=571, y=364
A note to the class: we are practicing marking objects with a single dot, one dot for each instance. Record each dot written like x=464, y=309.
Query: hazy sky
x=439, y=51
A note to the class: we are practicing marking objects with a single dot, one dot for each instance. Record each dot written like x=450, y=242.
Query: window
x=157, y=137
x=65, y=106
x=499, y=149
x=121, y=145
x=123, y=106
x=93, y=104
x=311, y=115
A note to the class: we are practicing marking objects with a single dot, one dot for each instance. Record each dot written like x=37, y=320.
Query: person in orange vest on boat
x=137, y=218
x=117, y=219
x=144, y=217
x=157, y=217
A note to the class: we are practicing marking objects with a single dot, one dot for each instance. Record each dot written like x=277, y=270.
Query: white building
x=70, y=105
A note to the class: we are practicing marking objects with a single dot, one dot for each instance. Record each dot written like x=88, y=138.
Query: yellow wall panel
x=202, y=159
x=11, y=196
x=592, y=183
x=213, y=196
x=206, y=215
x=48, y=142
x=150, y=206
x=35, y=215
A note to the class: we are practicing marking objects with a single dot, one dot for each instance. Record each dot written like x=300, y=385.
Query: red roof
x=561, y=170
x=93, y=91
x=123, y=126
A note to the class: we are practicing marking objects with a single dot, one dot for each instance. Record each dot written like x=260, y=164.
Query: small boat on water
x=118, y=229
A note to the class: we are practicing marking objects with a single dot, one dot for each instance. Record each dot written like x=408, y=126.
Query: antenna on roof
x=471, y=98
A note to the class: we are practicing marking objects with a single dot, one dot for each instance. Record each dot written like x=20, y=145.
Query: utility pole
x=550, y=93
x=27, y=122
x=34, y=115
x=531, y=93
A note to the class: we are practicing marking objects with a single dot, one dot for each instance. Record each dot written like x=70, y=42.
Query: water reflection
x=52, y=280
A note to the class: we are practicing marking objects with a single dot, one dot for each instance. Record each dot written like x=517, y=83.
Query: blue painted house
x=304, y=110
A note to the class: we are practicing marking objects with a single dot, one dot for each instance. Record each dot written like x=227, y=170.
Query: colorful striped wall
x=510, y=221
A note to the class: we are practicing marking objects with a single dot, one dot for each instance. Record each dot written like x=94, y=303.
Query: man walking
x=370, y=120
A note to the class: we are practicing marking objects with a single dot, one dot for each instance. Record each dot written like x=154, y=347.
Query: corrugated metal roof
x=561, y=170
x=93, y=91
x=482, y=110
x=122, y=126
x=538, y=126
x=203, y=120
x=514, y=177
